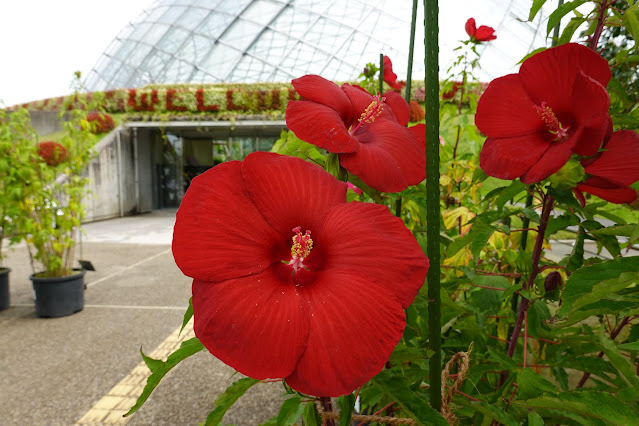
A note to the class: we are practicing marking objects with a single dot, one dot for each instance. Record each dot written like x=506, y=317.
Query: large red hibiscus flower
x=611, y=172
x=557, y=105
x=367, y=132
x=290, y=281
x=389, y=76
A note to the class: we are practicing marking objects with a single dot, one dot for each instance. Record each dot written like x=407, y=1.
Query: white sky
x=43, y=42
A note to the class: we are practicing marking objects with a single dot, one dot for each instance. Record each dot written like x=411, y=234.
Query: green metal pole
x=381, y=74
x=411, y=48
x=431, y=81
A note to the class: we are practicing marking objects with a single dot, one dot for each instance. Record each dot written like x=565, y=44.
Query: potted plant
x=16, y=148
x=54, y=211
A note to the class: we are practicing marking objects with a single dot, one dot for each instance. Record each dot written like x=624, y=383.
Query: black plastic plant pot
x=59, y=297
x=4, y=288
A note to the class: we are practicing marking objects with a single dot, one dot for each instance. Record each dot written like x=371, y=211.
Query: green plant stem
x=555, y=34
x=431, y=82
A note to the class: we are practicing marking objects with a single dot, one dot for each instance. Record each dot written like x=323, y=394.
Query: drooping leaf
x=536, y=5
x=532, y=384
x=346, y=404
x=311, y=416
x=411, y=402
x=590, y=404
x=227, y=398
x=290, y=411
x=491, y=411
x=627, y=371
x=187, y=315
x=188, y=348
x=561, y=222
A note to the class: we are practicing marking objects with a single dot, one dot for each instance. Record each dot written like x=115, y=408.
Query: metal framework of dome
x=223, y=41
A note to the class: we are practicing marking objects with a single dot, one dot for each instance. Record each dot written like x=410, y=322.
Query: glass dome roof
x=213, y=41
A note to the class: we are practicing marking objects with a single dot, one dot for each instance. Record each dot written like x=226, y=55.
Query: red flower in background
x=390, y=77
x=290, y=281
x=416, y=112
x=535, y=120
x=367, y=132
x=612, y=171
x=101, y=123
x=52, y=152
x=478, y=35
x=449, y=94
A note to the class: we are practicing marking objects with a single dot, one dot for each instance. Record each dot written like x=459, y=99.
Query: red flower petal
x=471, y=27
x=549, y=76
x=620, y=161
x=219, y=234
x=319, y=125
x=289, y=191
x=399, y=106
x=325, y=92
x=390, y=157
x=613, y=193
x=505, y=110
x=365, y=239
x=552, y=160
x=485, y=33
x=360, y=99
x=389, y=76
x=354, y=326
x=509, y=158
x=257, y=325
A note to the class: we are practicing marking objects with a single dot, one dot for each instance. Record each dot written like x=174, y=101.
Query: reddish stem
x=327, y=406
x=601, y=18
x=525, y=336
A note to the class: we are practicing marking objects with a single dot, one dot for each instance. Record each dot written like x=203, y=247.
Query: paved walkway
x=86, y=368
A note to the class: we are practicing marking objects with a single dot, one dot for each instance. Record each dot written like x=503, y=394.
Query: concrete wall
x=45, y=122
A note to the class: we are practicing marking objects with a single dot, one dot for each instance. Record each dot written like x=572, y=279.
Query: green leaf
x=590, y=404
x=631, y=346
x=188, y=348
x=561, y=222
x=290, y=411
x=505, y=362
x=152, y=363
x=227, y=398
x=560, y=12
x=187, y=315
x=346, y=405
x=536, y=5
x=532, y=384
x=311, y=416
x=414, y=404
x=621, y=364
x=631, y=22
x=491, y=411
x=535, y=419
x=509, y=193
x=596, y=283
x=569, y=30
x=577, y=256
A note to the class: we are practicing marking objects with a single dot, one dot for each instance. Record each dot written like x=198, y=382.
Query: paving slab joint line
x=110, y=408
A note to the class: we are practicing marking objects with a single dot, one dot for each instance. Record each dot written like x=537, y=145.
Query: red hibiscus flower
x=290, y=281
x=612, y=171
x=390, y=77
x=367, y=132
x=478, y=35
x=52, y=152
x=557, y=105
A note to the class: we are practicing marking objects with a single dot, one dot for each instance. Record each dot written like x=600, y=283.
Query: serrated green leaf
x=590, y=404
x=414, y=404
x=311, y=416
x=187, y=315
x=188, y=348
x=560, y=12
x=505, y=362
x=534, y=9
x=627, y=371
x=346, y=404
x=290, y=411
x=592, y=284
x=535, y=419
x=480, y=233
x=227, y=398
